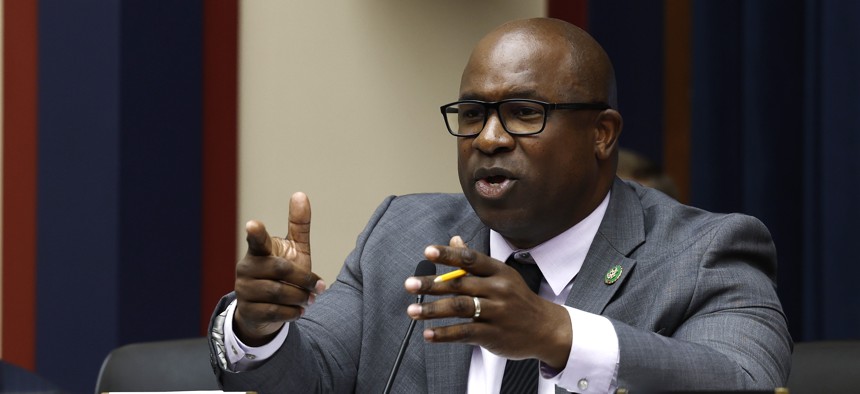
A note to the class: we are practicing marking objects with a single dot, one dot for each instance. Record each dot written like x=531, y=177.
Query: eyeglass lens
x=516, y=117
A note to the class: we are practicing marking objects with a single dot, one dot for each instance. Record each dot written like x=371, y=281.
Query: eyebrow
x=523, y=94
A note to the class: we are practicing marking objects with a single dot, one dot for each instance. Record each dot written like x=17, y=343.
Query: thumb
x=299, y=230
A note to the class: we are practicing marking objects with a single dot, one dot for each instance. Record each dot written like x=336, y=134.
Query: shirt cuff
x=592, y=366
x=241, y=357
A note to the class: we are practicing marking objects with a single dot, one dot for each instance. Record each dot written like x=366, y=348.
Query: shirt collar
x=561, y=257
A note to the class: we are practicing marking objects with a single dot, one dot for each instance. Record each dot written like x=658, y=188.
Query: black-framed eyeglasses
x=467, y=118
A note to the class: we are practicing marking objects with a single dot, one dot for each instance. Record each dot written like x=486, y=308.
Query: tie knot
x=528, y=269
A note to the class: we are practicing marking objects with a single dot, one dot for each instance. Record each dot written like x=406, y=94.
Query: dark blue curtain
x=776, y=134
x=631, y=32
x=119, y=183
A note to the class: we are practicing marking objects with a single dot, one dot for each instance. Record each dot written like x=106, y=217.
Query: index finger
x=259, y=242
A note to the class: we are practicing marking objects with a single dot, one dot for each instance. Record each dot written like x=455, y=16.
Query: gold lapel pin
x=613, y=275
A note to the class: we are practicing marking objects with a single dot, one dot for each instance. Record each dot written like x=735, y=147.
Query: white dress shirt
x=593, y=362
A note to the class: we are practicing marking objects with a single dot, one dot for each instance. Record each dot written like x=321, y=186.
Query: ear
x=608, y=127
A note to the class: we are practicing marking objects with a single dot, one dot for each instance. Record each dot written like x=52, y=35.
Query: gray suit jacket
x=695, y=307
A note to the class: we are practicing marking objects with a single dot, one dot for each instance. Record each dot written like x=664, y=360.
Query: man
x=632, y=289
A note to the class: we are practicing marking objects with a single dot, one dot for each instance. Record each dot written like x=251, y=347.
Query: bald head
x=551, y=45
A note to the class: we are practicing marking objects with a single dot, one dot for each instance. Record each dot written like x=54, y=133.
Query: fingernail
x=412, y=283
x=413, y=310
x=431, y=252
x=311, y=299
x=428, y=335
x=320, y=286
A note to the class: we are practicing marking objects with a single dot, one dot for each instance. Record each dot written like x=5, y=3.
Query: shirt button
x=250, y=356
x=582, y=384
x=234, y=350
x=523, y=255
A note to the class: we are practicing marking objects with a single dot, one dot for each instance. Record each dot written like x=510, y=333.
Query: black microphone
x=425, y=268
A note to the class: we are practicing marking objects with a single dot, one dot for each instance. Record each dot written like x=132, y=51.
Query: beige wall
x=340, y=99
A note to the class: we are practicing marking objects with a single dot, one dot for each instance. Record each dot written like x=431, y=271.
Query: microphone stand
x=402, y=352
x=424, y=268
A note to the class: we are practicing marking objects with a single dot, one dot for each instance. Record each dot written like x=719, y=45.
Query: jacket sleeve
x=732, y=333
x=322, y=349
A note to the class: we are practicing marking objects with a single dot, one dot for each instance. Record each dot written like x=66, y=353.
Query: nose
x=493, y=138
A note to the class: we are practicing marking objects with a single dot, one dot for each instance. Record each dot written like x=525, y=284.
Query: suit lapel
x=590, y=292
x=448, y=364
x=621, y=232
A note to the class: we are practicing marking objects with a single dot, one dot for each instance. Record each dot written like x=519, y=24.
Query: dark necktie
x=521, y=376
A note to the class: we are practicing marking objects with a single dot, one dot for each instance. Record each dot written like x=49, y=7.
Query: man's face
x=528, y=188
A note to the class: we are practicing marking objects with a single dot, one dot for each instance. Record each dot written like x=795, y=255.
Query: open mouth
x=496, y=179
x=493, y=184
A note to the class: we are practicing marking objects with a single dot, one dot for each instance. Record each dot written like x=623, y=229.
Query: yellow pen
x=451, y=275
